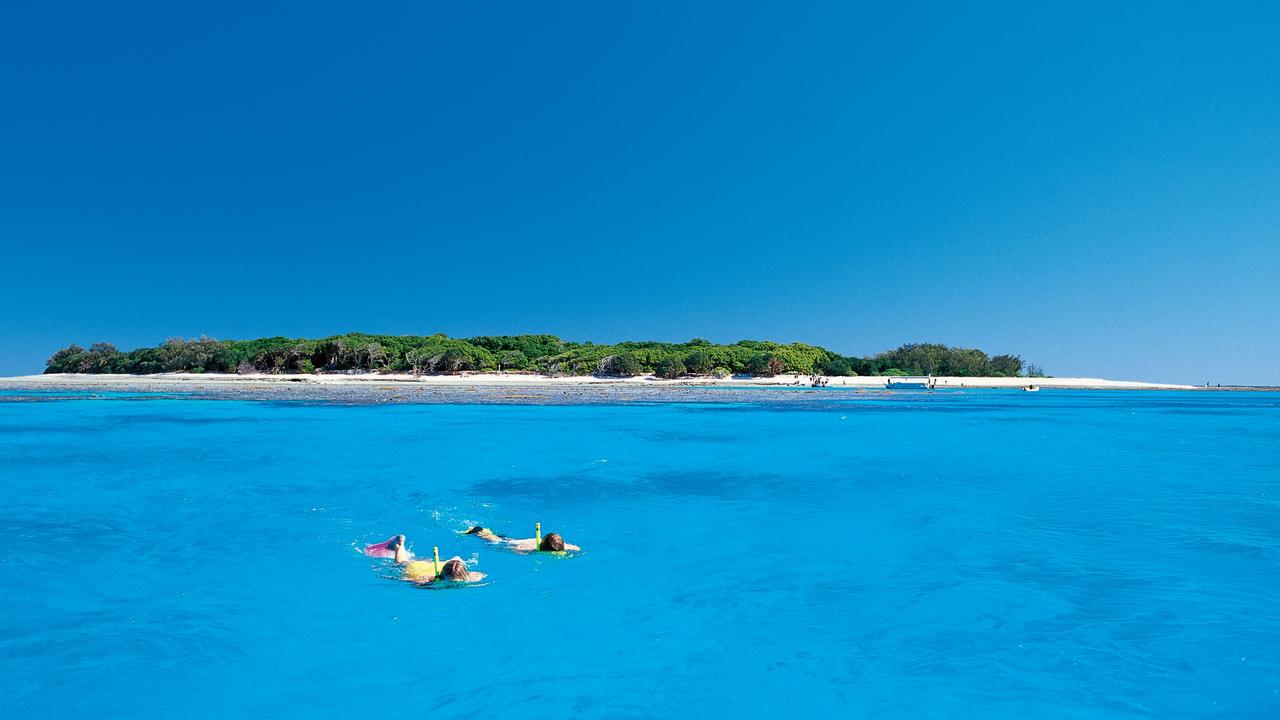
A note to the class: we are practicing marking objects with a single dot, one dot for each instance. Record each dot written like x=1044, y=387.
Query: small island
x=545, y=355
x=359, y=360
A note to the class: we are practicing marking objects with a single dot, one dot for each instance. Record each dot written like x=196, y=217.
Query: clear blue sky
x=1094, y=187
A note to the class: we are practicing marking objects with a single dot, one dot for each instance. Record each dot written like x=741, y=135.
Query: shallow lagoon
x=975, y=554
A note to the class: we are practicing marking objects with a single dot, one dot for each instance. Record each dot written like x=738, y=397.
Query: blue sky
x=1096, y=188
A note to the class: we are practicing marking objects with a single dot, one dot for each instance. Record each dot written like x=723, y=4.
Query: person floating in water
x=422, y=572
x=551, y=542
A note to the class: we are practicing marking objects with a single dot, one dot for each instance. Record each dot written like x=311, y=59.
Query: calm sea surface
x=980, y=554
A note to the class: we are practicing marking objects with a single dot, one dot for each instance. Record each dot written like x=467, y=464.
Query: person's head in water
x=395, y=543
x=455, y=570
x=552, y=542
x=475, y=530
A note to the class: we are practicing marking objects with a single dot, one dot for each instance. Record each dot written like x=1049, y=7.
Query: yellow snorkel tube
x=435, y=553
x=537, y=536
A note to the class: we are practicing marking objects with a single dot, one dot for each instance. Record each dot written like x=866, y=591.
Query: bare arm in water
x=402, y=553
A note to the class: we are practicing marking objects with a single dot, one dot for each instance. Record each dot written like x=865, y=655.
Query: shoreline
x=203, y=381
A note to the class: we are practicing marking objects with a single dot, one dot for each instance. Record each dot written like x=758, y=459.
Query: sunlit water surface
x=998, y=554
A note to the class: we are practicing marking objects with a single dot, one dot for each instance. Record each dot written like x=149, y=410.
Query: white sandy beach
x=531, y=380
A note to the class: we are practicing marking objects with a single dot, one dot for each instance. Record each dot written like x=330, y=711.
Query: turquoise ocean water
x=980, y=554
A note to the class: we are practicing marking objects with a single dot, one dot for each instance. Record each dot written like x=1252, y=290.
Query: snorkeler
x=422, y=572
x=551, y=542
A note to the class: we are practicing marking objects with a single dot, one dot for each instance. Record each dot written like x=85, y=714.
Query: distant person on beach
x=551, y=542
x=422, y=572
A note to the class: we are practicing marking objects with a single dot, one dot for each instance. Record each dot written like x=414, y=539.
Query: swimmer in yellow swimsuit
x=422, y=572
x=551, y=542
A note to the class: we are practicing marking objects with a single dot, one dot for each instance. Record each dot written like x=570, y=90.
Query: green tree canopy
x=669, y=368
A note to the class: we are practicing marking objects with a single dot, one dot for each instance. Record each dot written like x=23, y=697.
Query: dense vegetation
x=438, y=354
